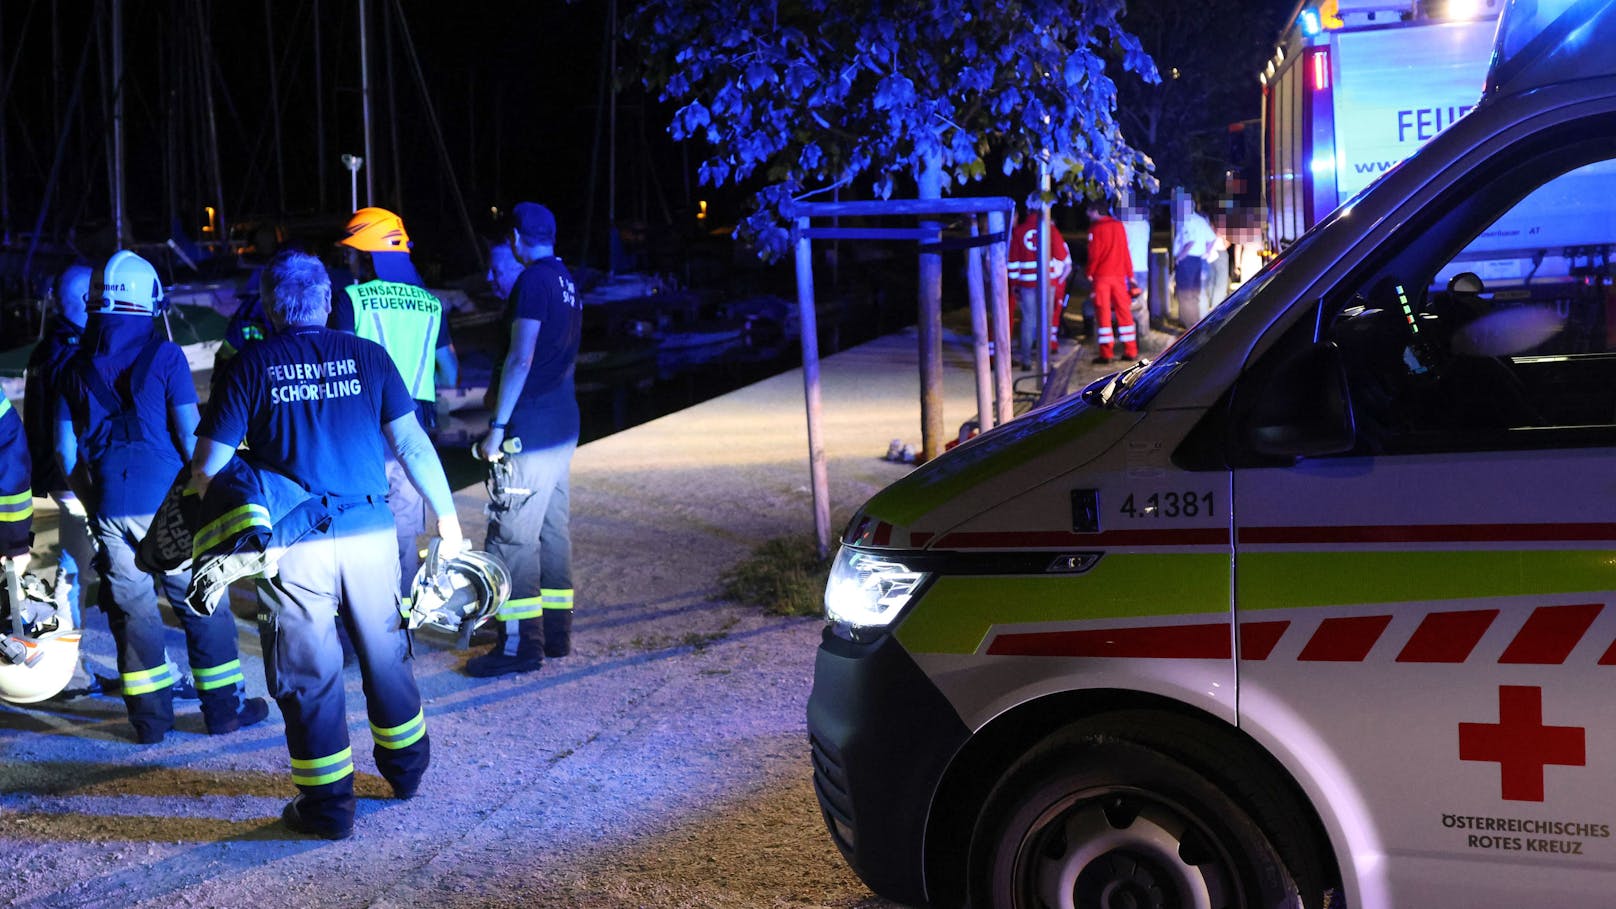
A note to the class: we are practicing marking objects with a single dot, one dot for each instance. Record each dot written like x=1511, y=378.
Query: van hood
x=987, y=470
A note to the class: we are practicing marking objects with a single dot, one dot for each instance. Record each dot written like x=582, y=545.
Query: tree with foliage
x=1209, y=53
x=811, y=95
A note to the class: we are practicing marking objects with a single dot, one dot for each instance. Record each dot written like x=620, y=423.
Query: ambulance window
x=1484, y=319
x=1493, y=325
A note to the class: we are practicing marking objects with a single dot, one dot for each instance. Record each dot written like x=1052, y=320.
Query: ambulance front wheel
x=1087, y=819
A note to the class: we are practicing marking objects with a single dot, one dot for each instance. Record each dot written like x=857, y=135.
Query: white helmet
x=40, y=648
x=457, y=595
x=128, y=286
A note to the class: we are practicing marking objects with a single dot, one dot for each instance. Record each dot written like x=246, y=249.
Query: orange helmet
x=376, y=230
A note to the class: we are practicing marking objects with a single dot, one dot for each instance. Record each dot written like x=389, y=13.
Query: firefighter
x=1110, y=267
x=323, y=408
x=46, y=366
x=534, y=401
x=127, y=419
x=1023, y=273
x=388, y=305
x=247, y=325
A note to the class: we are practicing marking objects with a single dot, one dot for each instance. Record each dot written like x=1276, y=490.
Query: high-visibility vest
x=404, y=319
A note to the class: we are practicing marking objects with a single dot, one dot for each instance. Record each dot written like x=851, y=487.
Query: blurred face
x=503, y=270
x=74, y=295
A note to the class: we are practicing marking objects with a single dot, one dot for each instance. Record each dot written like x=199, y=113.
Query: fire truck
x=1354, y=87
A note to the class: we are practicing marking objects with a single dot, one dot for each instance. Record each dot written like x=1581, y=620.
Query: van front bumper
x=882, y=736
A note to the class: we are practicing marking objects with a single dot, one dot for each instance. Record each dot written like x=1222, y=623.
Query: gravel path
x=664, y=764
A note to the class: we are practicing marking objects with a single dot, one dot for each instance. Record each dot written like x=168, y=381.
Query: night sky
x=516, y=87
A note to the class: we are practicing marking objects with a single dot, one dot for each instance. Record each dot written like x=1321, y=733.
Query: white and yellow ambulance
x=1317, y=607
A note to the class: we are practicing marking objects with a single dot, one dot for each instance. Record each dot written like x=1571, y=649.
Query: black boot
x=557, y=632
x=223, y=719
x=522, y=653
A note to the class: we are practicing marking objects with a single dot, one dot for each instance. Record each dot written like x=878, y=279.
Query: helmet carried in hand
x=460, y=593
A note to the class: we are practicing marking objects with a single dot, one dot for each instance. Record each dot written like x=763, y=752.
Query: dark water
x=660, y=382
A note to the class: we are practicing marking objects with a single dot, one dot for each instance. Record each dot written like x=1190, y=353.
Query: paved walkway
x=663, y=764
x=678, y=721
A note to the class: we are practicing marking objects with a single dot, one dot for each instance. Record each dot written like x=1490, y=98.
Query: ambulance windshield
x=1137, y=386
x=1526, y=20
x=1545, y=41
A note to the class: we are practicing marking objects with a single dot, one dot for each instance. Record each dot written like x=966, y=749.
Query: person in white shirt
x=1193, y=244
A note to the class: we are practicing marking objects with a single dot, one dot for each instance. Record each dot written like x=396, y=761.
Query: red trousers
x=1111, y=299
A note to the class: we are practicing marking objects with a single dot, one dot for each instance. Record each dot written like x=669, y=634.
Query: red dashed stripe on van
x=1547, y=638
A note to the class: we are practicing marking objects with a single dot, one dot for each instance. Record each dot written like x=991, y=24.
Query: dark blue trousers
x=129, y=597
x=346, y=572
x=529, y=530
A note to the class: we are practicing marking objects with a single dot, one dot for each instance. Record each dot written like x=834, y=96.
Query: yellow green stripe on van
x=959, y=610
x=1287, y=580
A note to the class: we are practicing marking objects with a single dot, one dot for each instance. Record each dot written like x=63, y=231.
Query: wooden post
x=1045, y=302
x=979, y=334
x=931, y=325
x=998, y=279
x=818, y=476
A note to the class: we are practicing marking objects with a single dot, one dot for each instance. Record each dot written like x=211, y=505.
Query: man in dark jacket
x=47, y=367
x=535, y=402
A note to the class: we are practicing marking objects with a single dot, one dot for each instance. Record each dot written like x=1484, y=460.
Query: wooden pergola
x=993, y=386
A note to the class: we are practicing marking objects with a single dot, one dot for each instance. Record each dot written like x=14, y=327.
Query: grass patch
x=783, y=576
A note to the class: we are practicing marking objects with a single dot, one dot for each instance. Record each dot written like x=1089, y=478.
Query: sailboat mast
x=611, y=135
x=120, y=225
x=364, y=95
x=319, y=107
x=221, y=224
x=5, y=173
x=275, y=104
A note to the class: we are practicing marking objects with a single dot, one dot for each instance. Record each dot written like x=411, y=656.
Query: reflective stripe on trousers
x=323, y=770
x=211, y=677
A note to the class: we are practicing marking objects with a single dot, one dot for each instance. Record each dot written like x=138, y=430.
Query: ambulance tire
x=1089, y=818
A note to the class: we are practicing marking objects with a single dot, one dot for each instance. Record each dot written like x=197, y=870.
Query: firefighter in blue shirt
x=46, y=367
x=388, y=305
x=126, y=423
x=324, y=407
x=534, y=401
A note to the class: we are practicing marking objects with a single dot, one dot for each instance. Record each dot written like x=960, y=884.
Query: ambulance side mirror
x=1304, y=410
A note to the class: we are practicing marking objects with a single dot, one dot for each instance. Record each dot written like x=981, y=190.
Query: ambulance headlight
x=867, y=590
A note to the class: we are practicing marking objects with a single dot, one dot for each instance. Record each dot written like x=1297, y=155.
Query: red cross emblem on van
x=1520, y=744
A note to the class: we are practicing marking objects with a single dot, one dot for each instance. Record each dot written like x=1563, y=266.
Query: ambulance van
x=1318, y=608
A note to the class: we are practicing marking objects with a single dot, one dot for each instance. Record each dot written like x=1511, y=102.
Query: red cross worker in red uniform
x=1023, y=274
x=1109, y=269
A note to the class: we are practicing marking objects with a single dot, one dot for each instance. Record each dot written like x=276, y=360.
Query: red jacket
x=1023, y=266
x=1108, y=250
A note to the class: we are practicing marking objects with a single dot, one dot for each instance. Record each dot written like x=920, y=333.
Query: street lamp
x=353, y=163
